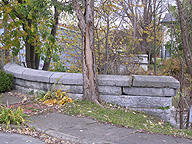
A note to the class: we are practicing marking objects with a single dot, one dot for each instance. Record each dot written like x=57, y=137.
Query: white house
x=167, y=20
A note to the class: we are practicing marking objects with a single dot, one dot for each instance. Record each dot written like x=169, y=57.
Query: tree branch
x=80, y=16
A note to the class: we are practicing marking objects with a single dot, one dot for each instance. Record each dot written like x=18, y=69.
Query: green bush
x=6, y=81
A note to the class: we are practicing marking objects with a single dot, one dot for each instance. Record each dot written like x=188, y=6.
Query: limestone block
x=62, y=87
x=114, y=80
x=37, y=85
x=43, y=86
x=67, y=78
x=155, y=81
x=76, y=89
x=14, y=69
x=149, y=91
x=138, y=101
x=31, y=84
x=49, y=86
x=75, y=96
x=24, y=89
x=20, y=82
x=71, y=88
x=110, y=90
x=37, y=75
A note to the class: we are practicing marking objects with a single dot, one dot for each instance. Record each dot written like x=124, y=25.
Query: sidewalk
x=87, y=131
x=7, y=138
x=83, y=130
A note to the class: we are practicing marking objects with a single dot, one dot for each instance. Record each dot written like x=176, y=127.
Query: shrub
x=172, y=67
x=6, y=81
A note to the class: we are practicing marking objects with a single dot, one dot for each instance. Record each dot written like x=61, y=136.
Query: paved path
x=7, y=138
x=83, y=130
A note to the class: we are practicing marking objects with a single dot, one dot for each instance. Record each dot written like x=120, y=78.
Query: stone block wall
x=137, y=92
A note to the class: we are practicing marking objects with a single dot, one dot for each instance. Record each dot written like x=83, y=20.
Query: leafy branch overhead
x=33, y=27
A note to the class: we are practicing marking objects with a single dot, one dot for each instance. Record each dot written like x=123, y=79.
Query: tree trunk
x=86, y=23
x=32, y=58
x=107, y=48
x=89, y=75
x=27, y=55
x=53, y=33
x=37, y=60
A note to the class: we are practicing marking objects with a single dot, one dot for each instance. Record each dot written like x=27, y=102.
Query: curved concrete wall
x=137, y=92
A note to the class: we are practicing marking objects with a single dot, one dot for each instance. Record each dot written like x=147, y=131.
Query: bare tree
x=86, y=25
x=140, y=15
x=185, y=14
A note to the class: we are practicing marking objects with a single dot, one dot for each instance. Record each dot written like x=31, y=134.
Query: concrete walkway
x=7, y=138
x=83, y=130
x=87, y=131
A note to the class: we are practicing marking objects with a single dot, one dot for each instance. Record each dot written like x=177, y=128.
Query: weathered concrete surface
x=19, y=81
x=163, y=92
x=67, y=78
x=6, y=99
x=114, y=80
x=14, y=69
x=37, y=75
x=12, y=138
x=109, y=90
x=87, y=131
x=70, y=88
x=138, y=101
x=32, y=84
x=25, y=89
x=75, y=96
x=155, y=81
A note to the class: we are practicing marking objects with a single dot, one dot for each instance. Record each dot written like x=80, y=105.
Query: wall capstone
x=137, y=92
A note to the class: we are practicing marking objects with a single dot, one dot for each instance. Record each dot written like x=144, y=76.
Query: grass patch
x=123, y=117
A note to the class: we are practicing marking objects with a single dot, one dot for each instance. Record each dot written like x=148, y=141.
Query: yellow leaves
x=148, y=40
x=32, y=29
x=152, y=37
x=52, y=102
x=147, y=32
x=65, y=99
x=56, y=97
x=8, y=9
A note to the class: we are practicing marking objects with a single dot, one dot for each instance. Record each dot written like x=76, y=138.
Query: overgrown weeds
x=12, y=116
x=54, y=96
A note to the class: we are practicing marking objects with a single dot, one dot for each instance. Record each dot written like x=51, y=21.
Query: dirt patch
x=35, y=108
x=28, y=103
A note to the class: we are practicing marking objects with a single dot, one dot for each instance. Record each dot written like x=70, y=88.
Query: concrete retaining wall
x=137, y=92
